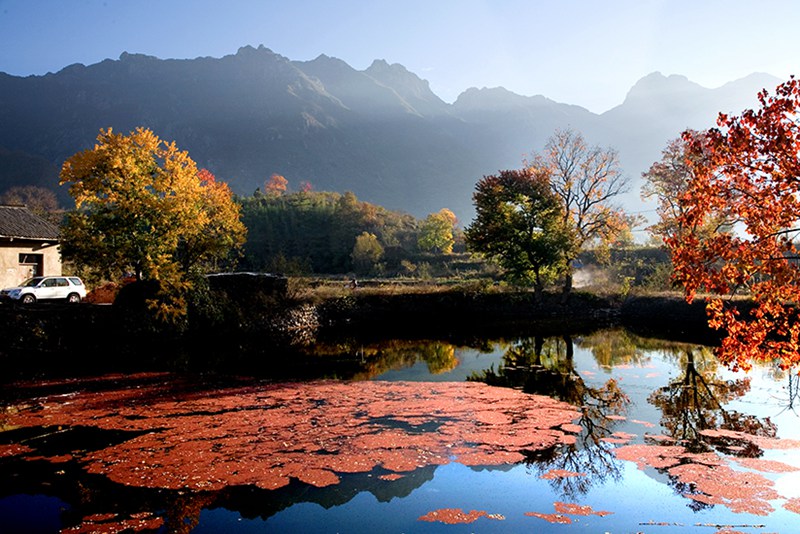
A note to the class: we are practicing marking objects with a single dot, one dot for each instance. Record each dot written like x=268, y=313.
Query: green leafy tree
x=436, y=233
x=519, y=222
x=143, y=207
x=367, y=252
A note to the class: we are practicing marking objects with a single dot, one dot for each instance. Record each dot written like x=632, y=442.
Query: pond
x=600, y=432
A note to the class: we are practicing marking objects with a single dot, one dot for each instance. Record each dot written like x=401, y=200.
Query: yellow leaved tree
x=144, y=209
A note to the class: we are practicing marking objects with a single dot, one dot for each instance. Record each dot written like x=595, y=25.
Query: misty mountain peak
x=248, y=50
x=382, y=71
x=379, y=132
x=410, y=87
x=330, y=64
x=126, y=57
x=378, y=64
x=382, y=66
x=754, y=83
x=497, y=99
x=657, y=86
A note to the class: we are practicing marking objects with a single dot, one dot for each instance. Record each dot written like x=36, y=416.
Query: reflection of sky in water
x=30, y=513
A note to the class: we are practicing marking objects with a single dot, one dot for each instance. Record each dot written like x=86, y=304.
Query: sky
x=584, y=52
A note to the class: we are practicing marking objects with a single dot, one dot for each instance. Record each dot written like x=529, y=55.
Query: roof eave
x=28, y=238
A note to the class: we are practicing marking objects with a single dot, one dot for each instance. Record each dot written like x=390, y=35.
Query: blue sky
x=585, y=52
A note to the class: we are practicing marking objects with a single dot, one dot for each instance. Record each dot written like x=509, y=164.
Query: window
x=34, y=263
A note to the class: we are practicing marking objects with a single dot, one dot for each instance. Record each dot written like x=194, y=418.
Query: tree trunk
x=567, y=290
x=538, y=288
x=570, y=354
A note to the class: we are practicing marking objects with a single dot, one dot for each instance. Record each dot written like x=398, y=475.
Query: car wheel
x=28, y=299
x=73, y=298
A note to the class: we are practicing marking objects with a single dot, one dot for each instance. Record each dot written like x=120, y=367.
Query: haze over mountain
x=381, y=132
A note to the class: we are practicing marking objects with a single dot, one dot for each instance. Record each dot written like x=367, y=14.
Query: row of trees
x=143, y=209
x=325, y=232
x=728, y=205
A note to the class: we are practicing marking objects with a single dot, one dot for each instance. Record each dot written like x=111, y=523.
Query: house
x=28, y=246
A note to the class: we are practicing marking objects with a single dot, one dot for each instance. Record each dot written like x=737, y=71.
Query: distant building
x=28, y=246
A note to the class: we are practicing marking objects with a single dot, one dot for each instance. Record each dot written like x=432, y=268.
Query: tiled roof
x=19, y=223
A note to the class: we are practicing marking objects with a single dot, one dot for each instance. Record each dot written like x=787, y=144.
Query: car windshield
x=32, y=282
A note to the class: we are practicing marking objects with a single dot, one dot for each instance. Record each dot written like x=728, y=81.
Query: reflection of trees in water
x=545, y=366
x=254, y=503
x=694, y=403
x=791, y=397
x=377, y=358
x=595, y=464
x=613, y=347
x=692, y=408
x=183, y=510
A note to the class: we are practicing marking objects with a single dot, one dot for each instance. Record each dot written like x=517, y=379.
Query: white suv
x=69, y=288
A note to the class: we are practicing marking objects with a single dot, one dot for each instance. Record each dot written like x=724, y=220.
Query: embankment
x=85, y=337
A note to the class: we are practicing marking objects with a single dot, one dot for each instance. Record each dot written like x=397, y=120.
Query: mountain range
x=380, y=133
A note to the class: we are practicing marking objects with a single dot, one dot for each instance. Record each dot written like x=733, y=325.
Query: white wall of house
x=19, y=260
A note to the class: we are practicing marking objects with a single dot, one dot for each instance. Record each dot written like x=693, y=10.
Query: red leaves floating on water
x=113, y=524
x=391, y=477
x=713, y=481
x=266, y=435
x=619, y=437
x=569, y=427
x=763, y=442
x=793, y=505
x=766, y=466
x=13, y=449
x=646, y=456
x=577, y=509
x=452, y=516
x=558, y=519
x=565, y=509
x=740, y=491
x=645, y=424
x=455, y=516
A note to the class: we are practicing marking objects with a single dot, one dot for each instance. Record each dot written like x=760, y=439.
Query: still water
x=604, y=432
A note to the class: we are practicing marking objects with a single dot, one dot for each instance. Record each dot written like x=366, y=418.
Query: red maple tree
x=746, y=172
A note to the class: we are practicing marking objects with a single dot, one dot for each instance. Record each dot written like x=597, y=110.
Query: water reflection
x=546, y=366
x=695, y=403
x=790, y=397
x=615, y=381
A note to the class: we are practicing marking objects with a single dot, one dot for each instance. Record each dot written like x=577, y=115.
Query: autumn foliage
x=276, y=185
x=746, y=174
x=143, y=207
